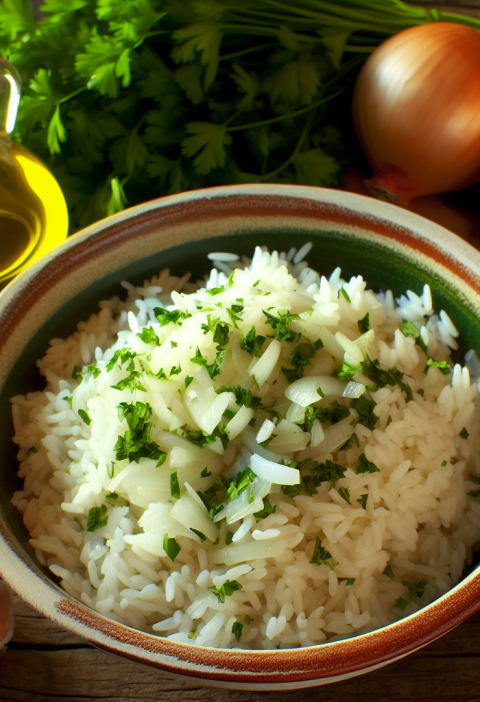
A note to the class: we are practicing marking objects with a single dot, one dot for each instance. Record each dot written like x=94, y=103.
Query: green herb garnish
x=171, y=548
x=83, y=415
x=97, y=518
x=225, y=590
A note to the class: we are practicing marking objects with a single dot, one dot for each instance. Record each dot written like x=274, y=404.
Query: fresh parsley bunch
x=127, y=101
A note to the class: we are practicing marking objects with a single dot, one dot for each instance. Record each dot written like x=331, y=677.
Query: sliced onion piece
x=317, y=433
x=285, y=427
x=253, y=550
x=188, y=512
x=295, y=413
x=253, y=446
x=290, y=443
x=265, y=431
x=238, y=423
x=205, y=406
x=263, y=368
x=354, y=390
x=241, y=463
x=240, y=506
x=306, y=391
x=335, y=436
x=275, y=473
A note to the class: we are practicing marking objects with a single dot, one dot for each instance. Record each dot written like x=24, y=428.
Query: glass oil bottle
x=33, y=212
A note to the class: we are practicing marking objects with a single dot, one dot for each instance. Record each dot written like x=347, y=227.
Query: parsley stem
x=250, y=50
x=280, y=118
x=75, y=92
x=296, y=151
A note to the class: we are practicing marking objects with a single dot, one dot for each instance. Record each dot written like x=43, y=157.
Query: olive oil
x=33, y=212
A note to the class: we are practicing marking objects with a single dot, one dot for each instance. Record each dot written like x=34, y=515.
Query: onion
x=335, y=436
x=354, y=390
x=265, y=431
x=308, y=390
x=275, y=473
x=415, y=108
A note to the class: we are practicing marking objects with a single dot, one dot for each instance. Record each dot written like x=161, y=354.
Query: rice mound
x=155, y=502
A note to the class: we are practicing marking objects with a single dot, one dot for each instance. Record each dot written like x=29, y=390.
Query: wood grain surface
x=44, y=663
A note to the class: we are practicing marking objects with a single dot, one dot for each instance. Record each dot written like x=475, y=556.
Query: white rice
x=254, y=582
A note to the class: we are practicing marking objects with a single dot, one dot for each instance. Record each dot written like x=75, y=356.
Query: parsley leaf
x=148, y=336
x=364, y=324
x=136, y=442
x=267, y=509
x=122, y=355
x=366, y=466
x=416, y=589
x=164, y=317
x=205, y=472
x=281, y=330
x=213, y=368
x=242, y=395
x=442, y=366
x=131, y=382
x=463, y=434
x=343, y=292
x=365, y=407
x=388, y=571
x=97, y=518
x=251, y=342
x=237, y=629
x=225, y=590
x=83, y=415
x=344, y=492
x=321, y=555
x=174, y=486
x=363, y=501
x=171, y=548
x=299, y=358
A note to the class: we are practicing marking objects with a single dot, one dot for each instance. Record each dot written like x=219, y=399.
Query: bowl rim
x=321, y=662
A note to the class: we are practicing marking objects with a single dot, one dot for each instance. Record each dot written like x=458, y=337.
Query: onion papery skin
x=416, y=111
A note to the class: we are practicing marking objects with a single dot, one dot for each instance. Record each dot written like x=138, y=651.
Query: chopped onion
x=305, y=391
x=254, y=447
x=240, y=507
x=285, y=427
x=317, y=433
x=262, y=369
x=206, y=407
x=188, y=512
x=265, y=431
x=335, y=436
x=290, y=443
x=275, y=473
x=295, y=413
x=354, y=390
x=253, y=550
x=238, y=423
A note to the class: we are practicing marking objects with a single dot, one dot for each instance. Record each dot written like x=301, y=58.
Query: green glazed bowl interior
x=391, y=248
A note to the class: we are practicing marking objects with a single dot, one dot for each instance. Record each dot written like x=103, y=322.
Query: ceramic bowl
x=391, y=247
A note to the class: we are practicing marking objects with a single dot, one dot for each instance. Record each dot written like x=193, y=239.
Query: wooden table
x=46, y=664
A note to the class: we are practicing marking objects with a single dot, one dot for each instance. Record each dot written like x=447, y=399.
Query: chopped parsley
x=219, y=330
x=164, y=317
x=205, y=473
x=174, y=486
x=363, y=501
x=389, y=572
x=444, y=463
x=83, y=415
x=237, y=629
x=322, y=473
x=225, y=590
x=321, y=555
x=69, y=400
x=191, y=634
x=77, y=373
x=318, y=344
x=291, y=490
x=337, y=412
x=382, y=377
x=188, y=380
x=242, y=395
x=111, y=498
x=121, y=355
x=173, y=344
x=241, y=482
x=347, y=371
x=364, y=324
x=226, y=489
x=415, y=589
x=200, y=535
x=442, y=366
x=311, y=414
x=248, y=620
x=111, y=470
x=97, y=518
x=132, y=382
x=228, y=537
x=176, y=370
x=136, y=442
x=350, y=581
x=463, y=434
x=344, y=492
x=401, y=604
x=198, y=437
x=352, y=441
x=365, y=407
x=281, y=330
x=148, y=336
x=409, y=329
x=171, y=548
x=268, y=508
x=215, y=291
x=343, y=292
x=212, y=368
x=252, y=342
x=366, y=466
x=299, y=358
